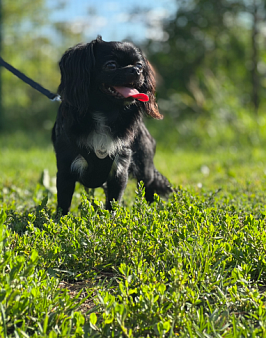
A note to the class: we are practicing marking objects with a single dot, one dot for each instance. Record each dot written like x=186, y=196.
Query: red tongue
x=141, y=97
x=132, y=92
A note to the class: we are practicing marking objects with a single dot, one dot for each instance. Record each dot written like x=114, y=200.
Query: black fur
x=94, y=120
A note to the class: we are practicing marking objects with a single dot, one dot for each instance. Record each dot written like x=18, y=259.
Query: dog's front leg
x=117, y=180
x=65, y=184
x=115, y=189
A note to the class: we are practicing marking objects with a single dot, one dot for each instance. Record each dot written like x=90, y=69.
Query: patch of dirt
x=74, y=289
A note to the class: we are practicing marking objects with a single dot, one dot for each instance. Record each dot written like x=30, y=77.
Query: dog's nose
x=136, y=70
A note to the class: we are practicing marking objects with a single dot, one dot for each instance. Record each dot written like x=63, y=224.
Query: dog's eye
x=111, y=65
x=139, y=65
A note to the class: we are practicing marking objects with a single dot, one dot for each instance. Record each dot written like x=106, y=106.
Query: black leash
x=33, y=84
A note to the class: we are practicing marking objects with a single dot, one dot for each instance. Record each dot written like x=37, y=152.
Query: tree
x=212, y=38
x=33, y=44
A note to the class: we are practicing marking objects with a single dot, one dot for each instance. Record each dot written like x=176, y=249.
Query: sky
x=115, y=19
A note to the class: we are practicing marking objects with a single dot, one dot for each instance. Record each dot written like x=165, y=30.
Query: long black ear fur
x=76, y=66
x=149, y=85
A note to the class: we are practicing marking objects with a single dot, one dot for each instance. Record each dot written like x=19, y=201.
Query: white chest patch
x=101, y=143
x=79, y=165
x=100, y=140
x=101, y=153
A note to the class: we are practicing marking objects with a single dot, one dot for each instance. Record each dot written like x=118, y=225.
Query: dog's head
x=111, y=73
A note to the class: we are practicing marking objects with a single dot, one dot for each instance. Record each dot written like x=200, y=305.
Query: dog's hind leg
x=143, y=167
x=159, y=185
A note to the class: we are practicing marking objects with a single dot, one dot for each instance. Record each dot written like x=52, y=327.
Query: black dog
x=99, y=136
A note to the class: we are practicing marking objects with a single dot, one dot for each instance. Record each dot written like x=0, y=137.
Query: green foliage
x=31, y=302
x=192, y=266
x=220, y=120
x=207, y=41
x=32, y=43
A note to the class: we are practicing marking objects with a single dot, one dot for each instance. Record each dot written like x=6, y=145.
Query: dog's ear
x=76, y=66
x=150, y=86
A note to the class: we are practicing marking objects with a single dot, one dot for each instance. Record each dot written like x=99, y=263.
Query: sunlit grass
x=192, y=266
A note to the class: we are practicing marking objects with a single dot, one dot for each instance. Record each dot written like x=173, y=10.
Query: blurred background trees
x=212, y=68
x=209, y=56
x=224, y=39
x=33, y=44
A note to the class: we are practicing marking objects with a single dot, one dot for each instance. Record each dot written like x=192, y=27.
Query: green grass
x=192, y=266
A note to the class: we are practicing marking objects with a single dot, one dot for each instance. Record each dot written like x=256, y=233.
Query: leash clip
x=57, y=98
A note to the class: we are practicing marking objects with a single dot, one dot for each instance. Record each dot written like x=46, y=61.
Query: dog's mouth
x=126, y=92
